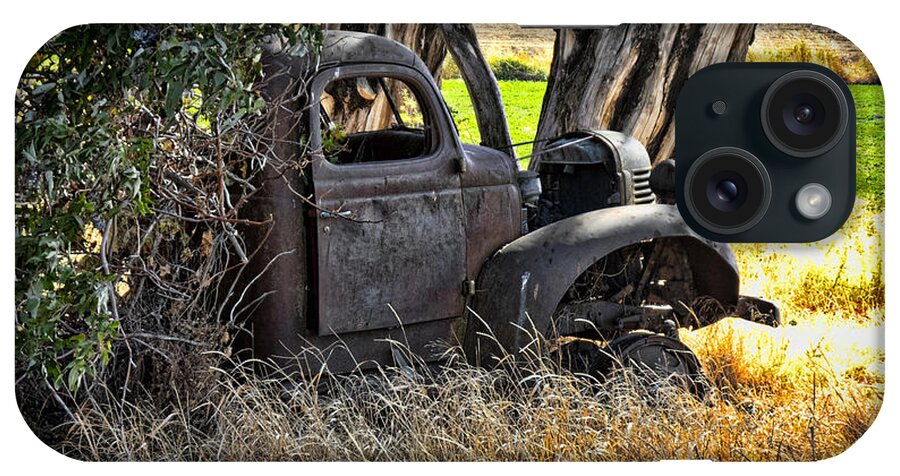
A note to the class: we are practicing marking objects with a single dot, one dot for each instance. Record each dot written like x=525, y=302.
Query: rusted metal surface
x=392, y=242
x=395, y=250
x=276, y=276
x=398, y=256
x=589, y=170
x=758, y=310
x=404, y=224
x=577, y=318
x=623, y=157
x=493, y=206
x=346, y=47
x=521, y=286
x=310, y=355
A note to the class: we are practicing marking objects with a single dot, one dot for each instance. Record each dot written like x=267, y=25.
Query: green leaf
x=173, y=97
x=32, y=305
x=88, y=147
x=42, y=89
x=219, y=79
x=75, y=374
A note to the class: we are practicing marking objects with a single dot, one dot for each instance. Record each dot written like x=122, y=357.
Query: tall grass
x=803, y=391
x=854, y=70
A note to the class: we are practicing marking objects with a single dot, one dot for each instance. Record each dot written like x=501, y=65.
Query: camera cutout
x=728, y=190
x=804, y=113
x=780, y=166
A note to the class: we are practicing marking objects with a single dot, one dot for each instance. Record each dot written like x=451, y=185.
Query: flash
x=813, y=201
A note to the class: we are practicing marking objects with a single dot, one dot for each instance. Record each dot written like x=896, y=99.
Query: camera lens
x=804, y=113
x=727, y=190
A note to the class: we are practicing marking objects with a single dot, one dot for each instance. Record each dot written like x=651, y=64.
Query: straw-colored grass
x=806, y=390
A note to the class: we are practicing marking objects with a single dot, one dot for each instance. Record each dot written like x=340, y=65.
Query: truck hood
x=487, y=167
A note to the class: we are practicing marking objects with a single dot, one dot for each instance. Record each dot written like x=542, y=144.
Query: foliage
x=107, y=117
x=515, y=69
x=855, y=71
x=521, y=101
x=450, y=70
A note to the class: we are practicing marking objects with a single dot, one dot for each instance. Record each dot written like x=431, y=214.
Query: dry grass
x=773, y=42
x=853, y=69
x=804, y=391
x=812, y=44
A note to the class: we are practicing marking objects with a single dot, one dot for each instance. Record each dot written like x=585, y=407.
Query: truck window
x=372, y=119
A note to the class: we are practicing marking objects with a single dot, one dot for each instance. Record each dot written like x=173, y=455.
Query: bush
x=134, y=149
x=514, y=69
x=853, y=71
x=504, y=69
x=450, y=70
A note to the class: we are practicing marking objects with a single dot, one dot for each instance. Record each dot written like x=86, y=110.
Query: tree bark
x=481, y=84
x=424, y=39
x=366, y=106
x=627, y=78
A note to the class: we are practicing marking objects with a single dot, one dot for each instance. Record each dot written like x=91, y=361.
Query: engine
x=589, y=170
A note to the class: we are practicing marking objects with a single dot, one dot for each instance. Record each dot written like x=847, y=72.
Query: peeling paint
x=523, y=314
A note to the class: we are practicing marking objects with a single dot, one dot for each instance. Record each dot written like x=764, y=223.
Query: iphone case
x=421, y=242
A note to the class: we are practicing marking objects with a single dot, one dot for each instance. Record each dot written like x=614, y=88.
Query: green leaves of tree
x=94, y=107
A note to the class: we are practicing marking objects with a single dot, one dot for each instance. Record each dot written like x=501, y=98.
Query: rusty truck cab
x=388, y=248
x=386, y=231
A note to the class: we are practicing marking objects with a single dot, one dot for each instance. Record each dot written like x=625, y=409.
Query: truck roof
x=345, y=47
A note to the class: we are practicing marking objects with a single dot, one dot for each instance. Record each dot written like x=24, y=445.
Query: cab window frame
x=427, y=99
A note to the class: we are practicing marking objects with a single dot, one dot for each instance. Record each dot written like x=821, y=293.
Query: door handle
x=343, y=214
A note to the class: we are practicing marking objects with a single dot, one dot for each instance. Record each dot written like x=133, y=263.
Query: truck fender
x=520, y=286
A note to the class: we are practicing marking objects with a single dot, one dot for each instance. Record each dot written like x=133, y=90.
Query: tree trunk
x=627, y=78
x=368, y=108
x=424, y=39
x=481, y=84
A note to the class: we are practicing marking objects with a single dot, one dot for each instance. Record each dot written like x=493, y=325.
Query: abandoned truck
x=411, y=236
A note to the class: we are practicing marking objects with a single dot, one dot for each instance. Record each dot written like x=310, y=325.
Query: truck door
x=389, y=237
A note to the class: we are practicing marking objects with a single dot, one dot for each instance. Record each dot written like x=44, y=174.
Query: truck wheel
x=656, y=360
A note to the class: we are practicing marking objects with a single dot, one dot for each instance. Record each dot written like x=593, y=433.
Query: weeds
x=806, y=390
x=470, y=413
x=854, y=71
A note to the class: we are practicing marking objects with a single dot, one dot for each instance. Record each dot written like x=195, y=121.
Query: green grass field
x=522, y=101
x=869, y=142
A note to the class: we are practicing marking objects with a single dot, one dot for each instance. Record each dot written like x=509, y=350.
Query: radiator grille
x=642, y=191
